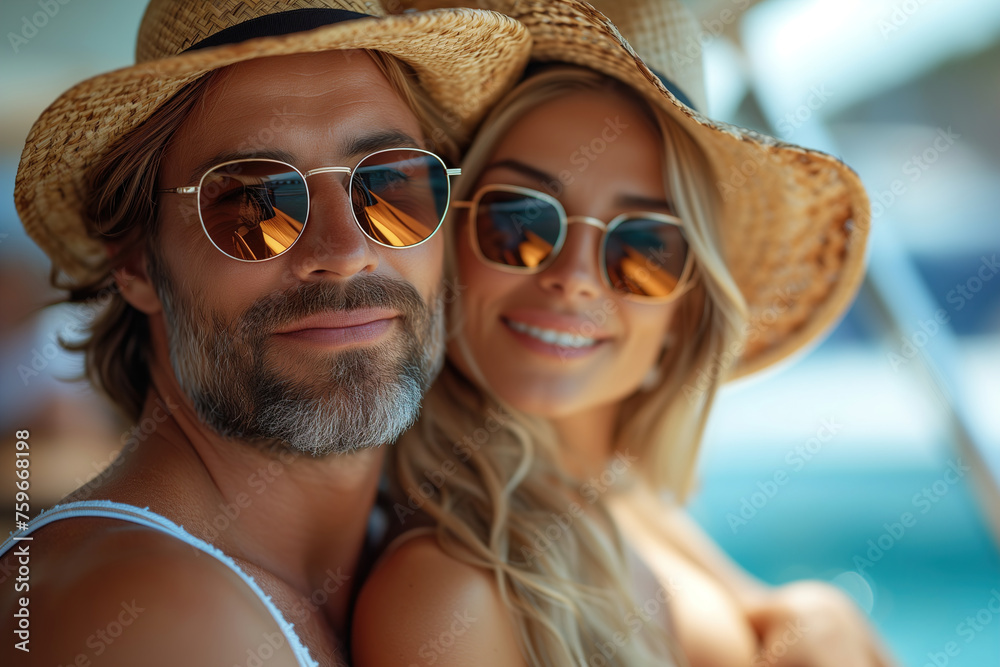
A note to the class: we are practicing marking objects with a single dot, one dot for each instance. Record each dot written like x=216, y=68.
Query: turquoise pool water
x=910, y=544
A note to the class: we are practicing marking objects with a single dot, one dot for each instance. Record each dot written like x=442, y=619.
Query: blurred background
x=872, y=461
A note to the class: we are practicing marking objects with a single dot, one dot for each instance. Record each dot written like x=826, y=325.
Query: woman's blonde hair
x=488, y=475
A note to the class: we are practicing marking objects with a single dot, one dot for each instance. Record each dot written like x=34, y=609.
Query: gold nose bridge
x=328, y=170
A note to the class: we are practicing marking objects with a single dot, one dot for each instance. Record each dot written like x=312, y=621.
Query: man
x=274, y=316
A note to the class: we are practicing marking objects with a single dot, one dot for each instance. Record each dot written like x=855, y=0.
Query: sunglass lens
x=645, y=257
x=400, y=196
x=253, y=209
x=516, y=229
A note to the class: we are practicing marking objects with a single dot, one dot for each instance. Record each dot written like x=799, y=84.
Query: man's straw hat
x=794, y=222
x=464, y=58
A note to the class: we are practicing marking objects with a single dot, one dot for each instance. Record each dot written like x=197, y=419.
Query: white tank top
x=111, y=510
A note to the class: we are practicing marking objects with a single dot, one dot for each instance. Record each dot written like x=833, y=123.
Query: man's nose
x=332, y=244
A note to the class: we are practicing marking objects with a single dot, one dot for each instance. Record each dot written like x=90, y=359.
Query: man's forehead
x=337, y=103
x=334, y=70
x=350, y=147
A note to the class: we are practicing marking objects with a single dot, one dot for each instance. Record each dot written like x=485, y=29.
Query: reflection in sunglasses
x=267, y=239
x=391, y=225
x=642, y=279
x=534, y=249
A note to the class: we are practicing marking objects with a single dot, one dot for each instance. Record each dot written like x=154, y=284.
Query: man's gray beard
x=361, y=397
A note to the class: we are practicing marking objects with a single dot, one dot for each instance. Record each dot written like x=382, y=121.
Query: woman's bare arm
x=422, y=606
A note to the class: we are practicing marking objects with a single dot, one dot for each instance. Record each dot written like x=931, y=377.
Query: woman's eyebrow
x=517, y=165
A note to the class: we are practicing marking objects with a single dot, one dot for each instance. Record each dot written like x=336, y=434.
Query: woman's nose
x=574, y=273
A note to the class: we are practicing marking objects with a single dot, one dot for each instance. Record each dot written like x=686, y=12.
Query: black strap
x=672, y=87
x=282, y=23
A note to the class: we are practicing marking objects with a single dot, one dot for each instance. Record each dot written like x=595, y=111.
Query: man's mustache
x=283, y=308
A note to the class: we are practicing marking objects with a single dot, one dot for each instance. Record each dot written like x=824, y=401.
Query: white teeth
x=561, y=338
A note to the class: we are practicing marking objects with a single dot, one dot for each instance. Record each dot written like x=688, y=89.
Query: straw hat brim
x=464, y=58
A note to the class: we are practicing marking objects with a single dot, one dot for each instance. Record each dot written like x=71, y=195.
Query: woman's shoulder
x=441, y=610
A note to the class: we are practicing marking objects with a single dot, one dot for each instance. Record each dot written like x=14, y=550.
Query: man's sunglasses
x=255, y=208
x=642, y=255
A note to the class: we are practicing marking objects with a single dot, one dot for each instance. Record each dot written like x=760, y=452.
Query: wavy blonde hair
x=488, y=476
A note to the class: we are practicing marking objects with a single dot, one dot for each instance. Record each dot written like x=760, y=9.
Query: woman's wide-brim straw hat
x=794, y=221
x=464, y=58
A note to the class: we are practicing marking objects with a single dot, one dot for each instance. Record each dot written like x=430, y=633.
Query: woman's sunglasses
x=255, y=209
x=642, y=255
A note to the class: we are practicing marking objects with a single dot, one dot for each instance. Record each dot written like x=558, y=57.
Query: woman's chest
x=710, y=627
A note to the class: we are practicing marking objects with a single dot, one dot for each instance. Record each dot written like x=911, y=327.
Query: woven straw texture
x=464, y=58
x=795, y=221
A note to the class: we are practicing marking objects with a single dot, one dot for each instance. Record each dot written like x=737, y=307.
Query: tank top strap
x=144, y=517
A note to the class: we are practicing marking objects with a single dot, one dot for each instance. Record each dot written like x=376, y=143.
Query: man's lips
x=341, y=327
x=340, y=319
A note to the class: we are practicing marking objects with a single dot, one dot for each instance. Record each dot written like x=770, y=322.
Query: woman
x=583, y=362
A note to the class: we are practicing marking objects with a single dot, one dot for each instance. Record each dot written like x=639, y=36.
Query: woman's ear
x=132, y=279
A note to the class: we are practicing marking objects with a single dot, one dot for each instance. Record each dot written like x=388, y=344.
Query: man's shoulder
x=128, y=594
x=77, y=552
x=452, y=611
